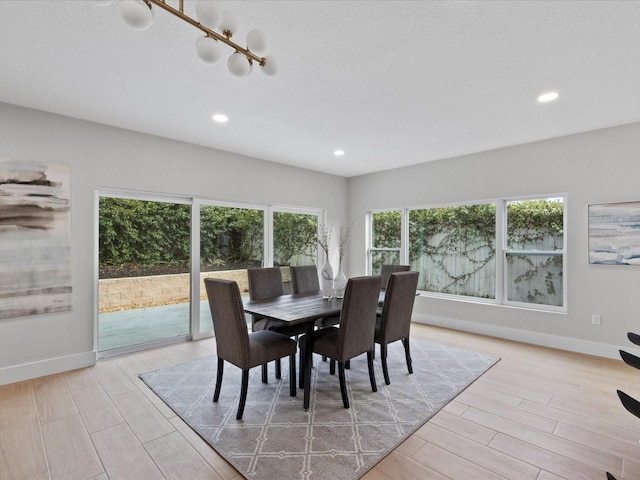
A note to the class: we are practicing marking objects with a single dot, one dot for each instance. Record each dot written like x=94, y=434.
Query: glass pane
x=535, y=224
x=143, y=282
x=535, y=279
x=453, y=248
x=385, y=229
x=383, y=258
x=294, y=239
x=231, y=240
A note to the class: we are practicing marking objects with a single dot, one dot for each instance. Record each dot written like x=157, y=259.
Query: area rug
x=277, y=439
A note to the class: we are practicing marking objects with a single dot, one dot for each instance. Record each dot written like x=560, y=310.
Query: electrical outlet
x=595, y=319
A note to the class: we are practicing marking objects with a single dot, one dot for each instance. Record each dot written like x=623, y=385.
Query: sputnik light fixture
x=139, y=14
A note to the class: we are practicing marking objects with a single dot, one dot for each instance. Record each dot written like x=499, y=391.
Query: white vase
x=340, y=282
x=327, y=279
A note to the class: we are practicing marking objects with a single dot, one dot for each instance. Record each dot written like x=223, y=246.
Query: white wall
x=105, y=157
x=594, y=167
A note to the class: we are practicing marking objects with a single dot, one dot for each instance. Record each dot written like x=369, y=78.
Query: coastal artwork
x=35, y=238
x=614, y=233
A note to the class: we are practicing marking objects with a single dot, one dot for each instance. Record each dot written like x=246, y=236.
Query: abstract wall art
x=35, y=238
x=614, y=233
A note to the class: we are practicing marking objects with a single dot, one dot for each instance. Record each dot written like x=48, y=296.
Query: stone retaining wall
x=138, y=292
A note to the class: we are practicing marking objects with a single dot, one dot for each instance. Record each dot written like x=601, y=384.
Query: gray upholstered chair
x=267, y=283
x=236, y=345
x=305, y=279
x=394, y=322
x=357, y=328
x=386, y=270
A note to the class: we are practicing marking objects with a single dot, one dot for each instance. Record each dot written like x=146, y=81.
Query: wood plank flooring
x=539, y=414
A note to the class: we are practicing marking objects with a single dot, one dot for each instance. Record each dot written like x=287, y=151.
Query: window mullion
x=501, y=243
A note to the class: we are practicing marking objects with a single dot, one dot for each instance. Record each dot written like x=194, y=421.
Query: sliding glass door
x=144, y=277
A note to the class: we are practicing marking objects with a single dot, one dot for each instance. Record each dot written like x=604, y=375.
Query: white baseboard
x=27, y=371
x=535, y=338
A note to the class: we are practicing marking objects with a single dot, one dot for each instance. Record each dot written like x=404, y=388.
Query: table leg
x=308, y=360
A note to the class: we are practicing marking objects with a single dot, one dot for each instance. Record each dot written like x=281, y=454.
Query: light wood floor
x=538, y=414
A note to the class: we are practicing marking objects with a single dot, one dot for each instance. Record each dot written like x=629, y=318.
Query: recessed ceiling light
x=338, y=153
x=220, y=118
x=548, y=97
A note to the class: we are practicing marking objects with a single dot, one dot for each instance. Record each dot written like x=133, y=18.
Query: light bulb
x=270, y=66
x=208, y=49
x=208, y=13
x=257, y=41
x=228, y=23
x=137, y=14
x=238, y=65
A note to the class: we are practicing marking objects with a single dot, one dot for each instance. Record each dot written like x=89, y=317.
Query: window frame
x=500, y=255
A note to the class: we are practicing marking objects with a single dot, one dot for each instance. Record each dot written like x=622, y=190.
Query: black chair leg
x=332, y=367
x=243, y=394
x=265, y=373
x=383, y=360
x=343, y=385
x=610, y=477
x=303, y=350
x=216, y=393
x=278, y=369
x=407, y=354
x=630, y=403
x=292, y=375
x=372, y=375
x=630, y=360
x=347, y=364
x=633, y=338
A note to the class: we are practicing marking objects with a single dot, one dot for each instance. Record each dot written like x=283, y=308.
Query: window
x=534, y=253
x=506, y=251
x=453, y=248
x=385, y=239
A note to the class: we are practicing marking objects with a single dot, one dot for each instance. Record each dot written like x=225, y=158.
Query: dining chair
x=236, y=345
x=387, y=270
x=305, y=280
x=394, y=322
x=267, y=283
x=356, y=333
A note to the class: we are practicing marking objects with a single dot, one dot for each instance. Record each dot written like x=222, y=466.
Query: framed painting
x=35, y=238
x=614, y=233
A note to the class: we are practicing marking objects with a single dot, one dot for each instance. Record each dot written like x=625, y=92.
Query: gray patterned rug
x=277, y=439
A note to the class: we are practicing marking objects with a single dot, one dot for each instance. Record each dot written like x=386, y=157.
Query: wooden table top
x=296, y=308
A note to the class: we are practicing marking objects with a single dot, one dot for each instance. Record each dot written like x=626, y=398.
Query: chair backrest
x=400, y=295
x=387, y=270
x=229, y=324
x=358, y=316
x=265, y=283
x=305, y=279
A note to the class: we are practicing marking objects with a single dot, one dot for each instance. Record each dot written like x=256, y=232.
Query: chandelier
x=139, y=14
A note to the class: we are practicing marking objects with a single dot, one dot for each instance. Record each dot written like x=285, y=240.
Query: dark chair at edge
x=394, y=323
x=236, y=345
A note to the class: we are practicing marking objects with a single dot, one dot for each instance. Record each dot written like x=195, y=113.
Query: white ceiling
x=393, y=83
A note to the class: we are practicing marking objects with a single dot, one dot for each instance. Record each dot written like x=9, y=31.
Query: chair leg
x=332, y=366
x=372, y=375
x=383, y=360
x=216, y=393
x=265, y=373
x=278, y=369
x=243, y=393
x=407, y=354
x=343, y=385
x=292, y=375
x=610, y=477
x=347, y=364
x=303, y=350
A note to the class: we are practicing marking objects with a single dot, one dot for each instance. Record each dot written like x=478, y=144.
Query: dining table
x=295, y=309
